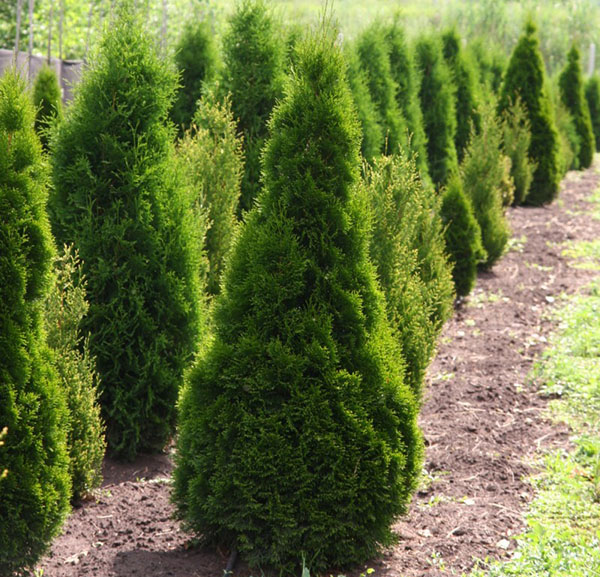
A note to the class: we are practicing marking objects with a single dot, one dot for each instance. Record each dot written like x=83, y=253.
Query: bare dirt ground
x=483, y=423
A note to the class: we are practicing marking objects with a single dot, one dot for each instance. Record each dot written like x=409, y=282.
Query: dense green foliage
x=196, y=58
x=407, y=247
x=34, y=495
x=592, y=95
x=568, y=139
x=65, y=307
x=485, y=172
x=372, y=131
x=463, y=236
x=525, y=79
x=47, y=100
x=464, y=80
x=374, y=60
x=298, y=435
x=571, y=92
x=253, y=74
x=490, y=63
x=117, y=198
x=210, y=157
x=436, y=95
x=516, y=142
x=405, y=76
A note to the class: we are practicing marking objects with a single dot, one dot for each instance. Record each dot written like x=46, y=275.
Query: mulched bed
x=482, y=421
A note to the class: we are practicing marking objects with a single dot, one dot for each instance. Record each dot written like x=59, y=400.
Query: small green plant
x=592, y=96
x=47, y=99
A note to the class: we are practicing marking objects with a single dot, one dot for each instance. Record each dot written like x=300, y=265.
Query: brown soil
x=483, y=425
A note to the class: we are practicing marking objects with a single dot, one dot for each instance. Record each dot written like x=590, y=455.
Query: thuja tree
x=35, y=492
x=571, y=92
x=525, y=78
x=117, y=199
x=210, y=156
x=484, y=172
x=196, y=58
x=463, y=77
x=372, y=131
x=516, y=140
x=64, y=309
x=374, y=61
x=592, y=95
x=297, y=433
x=47, y=100
x=405, y=76
x=490, y=60
x=253, y=74
x=436, y=95
x=462, y=234
x=408, y=249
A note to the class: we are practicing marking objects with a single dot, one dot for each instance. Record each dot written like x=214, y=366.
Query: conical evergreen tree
x=47, y=100
x=405, y=76
x=117, y=198
x=571, y=92
x=525, y=78
x=297, y=434
x=592, y=95
x=373, y=139
x=436, y=95
x=490, y=61
x=407, y=247
x=253, y=74
x=463, y=77
x=34, y=495
x=211, y=159
x=375, y=62
x=462, y=235
x=196, y=58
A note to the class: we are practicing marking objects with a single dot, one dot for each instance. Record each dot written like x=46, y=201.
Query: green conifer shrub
x=297, y=434
x=196, y=58
x=253, y=74
x=65, y=307
x=436, y=95
x=525, y=78
x=211, y=158
x=405, y=76
x=571, y=92
x=375, y=62
x=117, y=197
x=462, y=235
x=485, y=172
x=408, y=250
x=47, y=100
x=516, y=142
x=568, y=139
x=490, y=63
x=592, y=95
x=34, y=495
x=373, y=139
x=463, y=77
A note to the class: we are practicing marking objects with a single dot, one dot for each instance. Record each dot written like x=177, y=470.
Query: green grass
x=563, y=535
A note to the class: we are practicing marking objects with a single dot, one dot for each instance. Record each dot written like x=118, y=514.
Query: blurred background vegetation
x=560, y=22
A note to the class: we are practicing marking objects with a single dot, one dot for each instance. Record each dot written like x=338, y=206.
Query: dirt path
x=481, y=423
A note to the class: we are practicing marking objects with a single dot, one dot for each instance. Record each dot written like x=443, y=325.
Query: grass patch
x=584, y=254
x=563, y=536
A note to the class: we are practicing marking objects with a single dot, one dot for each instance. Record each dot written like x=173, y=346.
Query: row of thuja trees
x=372, y=180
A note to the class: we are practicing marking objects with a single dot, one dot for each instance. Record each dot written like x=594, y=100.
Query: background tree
x=462, y=234
x=211, y=158
x=118, y=199
x=196, y=58
x=297, y=433
x=47, y=99
x=34, y=496
x=64, y=309
x=407, y=247
x=525, y=79
x=436, y=95
x=463, y=77
x=592, y=95
x=571, y=92
x=253, y=74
